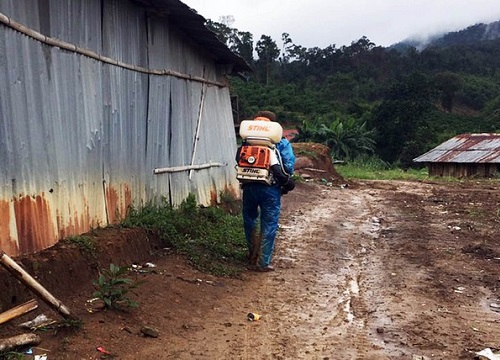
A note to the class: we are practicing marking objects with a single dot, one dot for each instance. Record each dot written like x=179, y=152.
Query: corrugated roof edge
x=193, y=24
x=465, y=148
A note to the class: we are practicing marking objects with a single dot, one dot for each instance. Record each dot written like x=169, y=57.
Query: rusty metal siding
x=215, y=142
x=51, y=143
x=79, y=138
x=124, y=144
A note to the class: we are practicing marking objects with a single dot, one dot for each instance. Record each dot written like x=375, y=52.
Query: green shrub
x=112, y=287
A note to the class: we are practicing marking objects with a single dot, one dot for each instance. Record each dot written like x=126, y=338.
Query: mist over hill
x=468, y=36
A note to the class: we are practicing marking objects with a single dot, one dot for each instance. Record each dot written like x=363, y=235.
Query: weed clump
x=86, y=244
x=210, y=237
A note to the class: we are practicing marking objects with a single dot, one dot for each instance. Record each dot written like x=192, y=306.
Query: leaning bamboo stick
x=18, y=311
x=19, y=340
x=38, y=289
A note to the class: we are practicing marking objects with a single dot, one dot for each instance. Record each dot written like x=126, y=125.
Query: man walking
x=265, y=199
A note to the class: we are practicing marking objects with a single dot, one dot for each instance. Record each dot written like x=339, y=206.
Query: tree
x=268, y=53
x=400, y=117
x=449, y=84
x=244, y=45
x=240, y=42
x=222, y=31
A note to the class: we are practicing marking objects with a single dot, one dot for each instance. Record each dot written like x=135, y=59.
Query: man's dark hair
x=267, y=114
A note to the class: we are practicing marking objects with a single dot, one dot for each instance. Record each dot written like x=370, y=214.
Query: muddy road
x=375, y=270
x=384, y=270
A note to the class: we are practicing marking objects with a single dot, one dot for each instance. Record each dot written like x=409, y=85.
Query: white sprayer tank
x=255, y=130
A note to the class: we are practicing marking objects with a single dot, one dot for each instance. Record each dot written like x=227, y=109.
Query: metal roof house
x=94, y=96
x=466, y=155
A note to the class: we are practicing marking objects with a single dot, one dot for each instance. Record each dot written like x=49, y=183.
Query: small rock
x=149, y=331
x=380, y=330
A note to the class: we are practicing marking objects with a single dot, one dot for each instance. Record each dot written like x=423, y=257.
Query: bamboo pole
x=73, y=48
x=30, y=282
x=186, y=167
x=198, y=126
x=18, y=311
x=19, y=340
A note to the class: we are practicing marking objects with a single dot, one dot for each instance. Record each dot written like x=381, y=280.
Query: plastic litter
x=253, y=316
x=102, y=350
x=142, y=268
x=39, y=321
x=41, y=357
x=495, y=307
x=488, y=354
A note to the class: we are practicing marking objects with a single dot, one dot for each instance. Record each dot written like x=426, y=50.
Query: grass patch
x=212, y=238
x=372, y=168
x=306, y=153
x=353, y=171
x=476, y=212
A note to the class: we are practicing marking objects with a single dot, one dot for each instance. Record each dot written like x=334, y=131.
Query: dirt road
x=375, y=270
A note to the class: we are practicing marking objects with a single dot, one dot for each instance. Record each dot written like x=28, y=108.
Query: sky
x=320, y=23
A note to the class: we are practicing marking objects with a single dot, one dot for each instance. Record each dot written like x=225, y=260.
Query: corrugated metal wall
x=79, y=138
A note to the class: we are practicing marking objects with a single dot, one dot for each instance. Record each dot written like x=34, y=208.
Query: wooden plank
x=18, y=311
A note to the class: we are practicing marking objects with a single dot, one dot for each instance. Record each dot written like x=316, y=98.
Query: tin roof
x=193, y=24
x=465, y=148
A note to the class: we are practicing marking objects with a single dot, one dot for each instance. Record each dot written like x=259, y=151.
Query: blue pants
x=266, y=200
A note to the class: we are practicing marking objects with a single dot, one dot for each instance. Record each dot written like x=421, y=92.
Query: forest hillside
x=365, y=100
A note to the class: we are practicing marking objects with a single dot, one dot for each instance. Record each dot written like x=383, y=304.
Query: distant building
x=467, y=155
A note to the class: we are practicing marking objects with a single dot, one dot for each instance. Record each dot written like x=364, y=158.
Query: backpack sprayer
x=258, y=159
